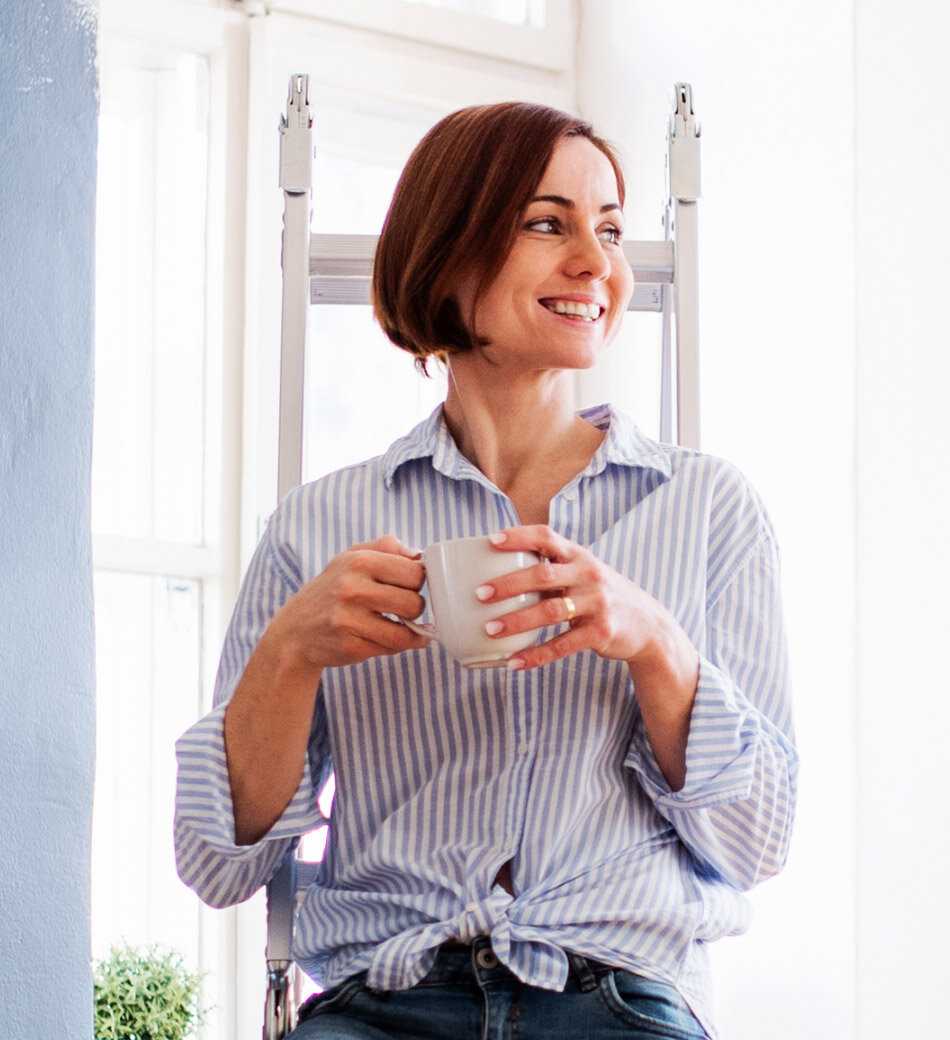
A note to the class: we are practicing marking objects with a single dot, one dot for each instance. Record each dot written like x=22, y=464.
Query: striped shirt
x=444, y=773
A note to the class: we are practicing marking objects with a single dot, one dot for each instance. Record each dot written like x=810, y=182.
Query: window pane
x=515, y=12
x=361, y=147
x=150, y=290
x=351, y=198
x=361, y=391
x=147, y=694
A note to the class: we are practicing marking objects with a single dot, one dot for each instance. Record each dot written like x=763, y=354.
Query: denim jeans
x=470, y=995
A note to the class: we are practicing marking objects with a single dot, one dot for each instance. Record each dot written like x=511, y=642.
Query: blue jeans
x=470, y=995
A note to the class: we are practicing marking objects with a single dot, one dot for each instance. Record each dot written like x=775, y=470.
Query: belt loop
x=582, y=970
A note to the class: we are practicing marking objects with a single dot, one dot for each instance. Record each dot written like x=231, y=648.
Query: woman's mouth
x=582, y=320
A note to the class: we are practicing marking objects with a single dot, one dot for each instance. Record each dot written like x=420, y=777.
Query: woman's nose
x=589, y=257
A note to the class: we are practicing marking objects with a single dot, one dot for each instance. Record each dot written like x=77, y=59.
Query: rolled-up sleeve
x=221, y=872
x=736, y=809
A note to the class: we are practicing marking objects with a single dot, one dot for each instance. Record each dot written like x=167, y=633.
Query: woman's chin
x=552, y=355
x=579, y=357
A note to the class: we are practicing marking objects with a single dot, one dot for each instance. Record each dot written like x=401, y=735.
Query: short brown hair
x=460, y=196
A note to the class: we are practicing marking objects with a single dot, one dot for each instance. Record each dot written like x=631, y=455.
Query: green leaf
x=145, y=994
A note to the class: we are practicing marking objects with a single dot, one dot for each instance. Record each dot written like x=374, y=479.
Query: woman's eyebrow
x=568, y=203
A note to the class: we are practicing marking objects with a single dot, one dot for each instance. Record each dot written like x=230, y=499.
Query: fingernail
x=497, y=539
x=484, y=591
x=515, y=662
x=493, y=627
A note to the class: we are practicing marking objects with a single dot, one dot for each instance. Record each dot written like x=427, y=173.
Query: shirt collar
x=624, y=445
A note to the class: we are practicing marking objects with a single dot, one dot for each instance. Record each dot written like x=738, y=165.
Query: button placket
x=516, y=681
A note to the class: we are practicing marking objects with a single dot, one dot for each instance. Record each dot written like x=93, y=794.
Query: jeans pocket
x=333, y=999
x=654, y=1007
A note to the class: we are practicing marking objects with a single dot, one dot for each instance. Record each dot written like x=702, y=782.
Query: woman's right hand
x=336, y=618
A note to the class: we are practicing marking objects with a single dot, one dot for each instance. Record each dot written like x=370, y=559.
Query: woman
x=555, y=842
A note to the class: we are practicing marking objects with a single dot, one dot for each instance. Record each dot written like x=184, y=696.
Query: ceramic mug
x=454, y=569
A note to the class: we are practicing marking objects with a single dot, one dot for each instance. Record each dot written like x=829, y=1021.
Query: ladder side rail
x=683, y=181
x=296, y=178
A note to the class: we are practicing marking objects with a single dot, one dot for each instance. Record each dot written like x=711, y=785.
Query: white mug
x=454, y=569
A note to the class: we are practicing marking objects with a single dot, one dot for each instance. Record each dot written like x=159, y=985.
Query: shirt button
x=486, y=959
x=470, y=907
x=523, y=748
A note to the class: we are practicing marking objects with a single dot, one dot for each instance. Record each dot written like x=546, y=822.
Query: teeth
x=590, y=311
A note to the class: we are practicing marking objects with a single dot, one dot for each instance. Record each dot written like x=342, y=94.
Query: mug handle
x=423, y=629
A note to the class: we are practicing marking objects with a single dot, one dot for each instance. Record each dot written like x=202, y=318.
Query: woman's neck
x=517, y=441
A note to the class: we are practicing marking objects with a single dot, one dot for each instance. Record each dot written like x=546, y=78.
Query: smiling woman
x=614, y=790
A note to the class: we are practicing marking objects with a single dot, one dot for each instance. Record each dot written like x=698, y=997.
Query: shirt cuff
x=204, y=803
x=724, y=731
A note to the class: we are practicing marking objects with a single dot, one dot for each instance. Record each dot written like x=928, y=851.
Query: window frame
x=220, y=35
x=549, y=47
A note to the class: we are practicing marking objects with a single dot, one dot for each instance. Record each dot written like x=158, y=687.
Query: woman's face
x=569, y=245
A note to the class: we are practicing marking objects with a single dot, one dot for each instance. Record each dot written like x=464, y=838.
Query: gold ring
x=571, y=609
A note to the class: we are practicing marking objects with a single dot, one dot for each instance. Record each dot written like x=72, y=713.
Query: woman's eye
x=616, y=232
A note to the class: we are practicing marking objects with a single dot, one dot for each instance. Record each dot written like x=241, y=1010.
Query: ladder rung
x=324, y=289
x=340, y=267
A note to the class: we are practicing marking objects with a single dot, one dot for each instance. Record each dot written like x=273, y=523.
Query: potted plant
x=145, y=994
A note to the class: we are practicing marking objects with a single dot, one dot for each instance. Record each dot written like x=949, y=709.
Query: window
x=164, y=562
x=352, y=369
x=148, y=482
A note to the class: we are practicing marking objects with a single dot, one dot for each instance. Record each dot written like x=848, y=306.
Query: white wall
x=903, y=503
x=772, y=88
x=825, y=151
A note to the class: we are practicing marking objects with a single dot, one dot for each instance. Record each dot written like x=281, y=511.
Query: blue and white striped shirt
x=444, y=773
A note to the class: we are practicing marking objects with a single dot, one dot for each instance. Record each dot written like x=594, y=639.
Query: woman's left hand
x=614, y=616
